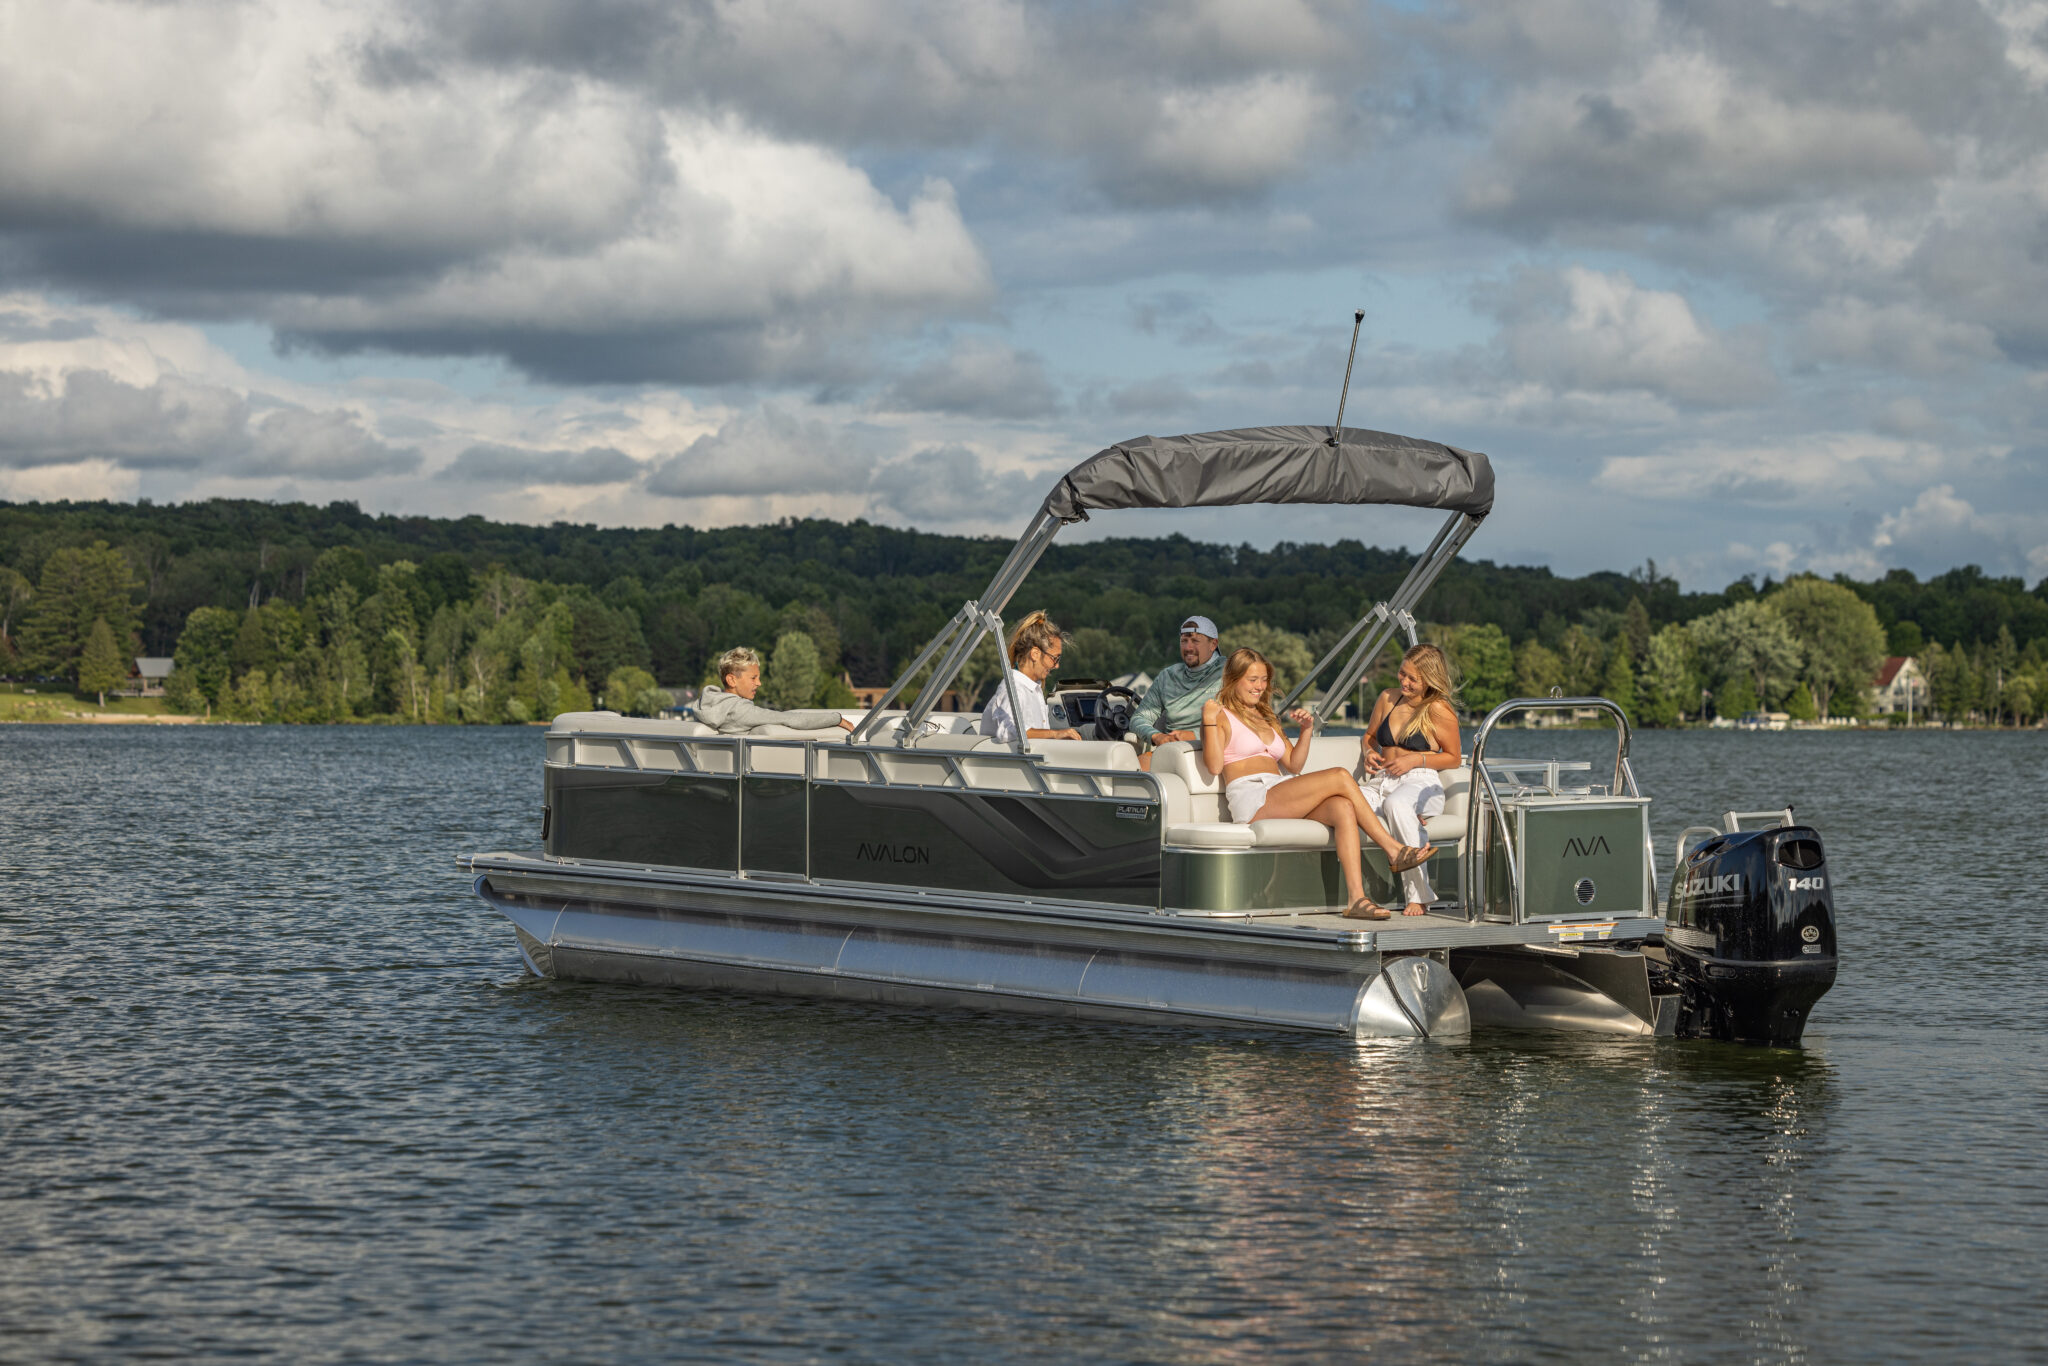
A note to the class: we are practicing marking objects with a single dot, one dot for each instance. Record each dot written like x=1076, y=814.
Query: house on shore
x=146, y=677
x=1900, y=686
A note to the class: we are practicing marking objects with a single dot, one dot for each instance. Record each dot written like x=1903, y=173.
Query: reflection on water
x=277, y=1087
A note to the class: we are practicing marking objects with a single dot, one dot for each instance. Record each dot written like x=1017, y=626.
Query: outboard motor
x=1751, y=935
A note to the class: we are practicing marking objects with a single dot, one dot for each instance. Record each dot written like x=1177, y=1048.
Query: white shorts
x=1246, y=795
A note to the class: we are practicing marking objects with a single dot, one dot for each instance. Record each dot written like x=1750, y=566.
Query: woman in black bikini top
x=1401, y=769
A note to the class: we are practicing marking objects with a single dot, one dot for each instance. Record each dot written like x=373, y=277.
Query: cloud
x=490, y=463
x=174, y=424
x=1681, y=138
x=950, y=486
x=1903, y=337
x=978, y=377
x=1165, y=103
x=309, y=165
x=1814, y=471
x=1160, y=397
x=763, y=452
x=1587, y=330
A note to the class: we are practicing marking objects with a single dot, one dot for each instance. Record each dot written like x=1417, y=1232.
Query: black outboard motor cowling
x=1751, y=935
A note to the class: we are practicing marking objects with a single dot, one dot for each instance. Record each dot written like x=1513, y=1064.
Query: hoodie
x=735, y=715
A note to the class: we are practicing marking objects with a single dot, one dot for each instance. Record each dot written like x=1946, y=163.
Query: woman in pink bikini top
x=1262, y=778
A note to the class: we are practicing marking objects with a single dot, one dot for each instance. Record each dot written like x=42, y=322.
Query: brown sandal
x=1365, y=908
x=1411, y=856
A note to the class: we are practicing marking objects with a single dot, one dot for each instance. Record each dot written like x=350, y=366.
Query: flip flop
x=1365, y=908
x=1411, y=856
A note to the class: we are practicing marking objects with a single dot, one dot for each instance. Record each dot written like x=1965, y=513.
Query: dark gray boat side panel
x=685, y=820
x=775, y=825
x=1015, y=844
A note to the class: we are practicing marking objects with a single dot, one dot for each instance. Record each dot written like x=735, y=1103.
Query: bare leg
x=1336, y=813
x=1297, y=798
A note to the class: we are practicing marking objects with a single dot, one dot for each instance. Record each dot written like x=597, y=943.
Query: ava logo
x=1711, y=886
x=892, y=853
x=1575, y=845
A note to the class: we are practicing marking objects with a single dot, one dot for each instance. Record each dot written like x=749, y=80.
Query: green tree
x=1736, y=696
x=79, y=587
x=253, y=648
x=249, y=699
x=984, y=664
x=182, y=693
x=101, y=667
x=1585, y=661
x=1095, y=653
x=793, y=674
x=1839, y=637
x=1750, y=639
x=1483, y=663
x=412, y=679
x=627, y=691
x=1537, y=669
x=1670, y=684
x=203, y=651
x=1800, y=706
x=1284, y=650
x=1619, y=686
x=15, y=594
x=1635, y=630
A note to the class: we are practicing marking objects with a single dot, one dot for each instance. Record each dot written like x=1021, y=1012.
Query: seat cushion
x=1286, y=834
x=1209, y=835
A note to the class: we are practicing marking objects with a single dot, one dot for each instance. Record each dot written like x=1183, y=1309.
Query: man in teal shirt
x=1172, y=710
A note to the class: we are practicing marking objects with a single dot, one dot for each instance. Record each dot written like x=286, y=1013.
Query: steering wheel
x=1113, y=712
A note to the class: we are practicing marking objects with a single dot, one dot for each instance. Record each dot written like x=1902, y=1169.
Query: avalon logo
x=1711, y=886
x=1575, y=845
x=892, y=853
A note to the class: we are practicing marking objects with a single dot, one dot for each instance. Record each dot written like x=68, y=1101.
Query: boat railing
x=1487, y=796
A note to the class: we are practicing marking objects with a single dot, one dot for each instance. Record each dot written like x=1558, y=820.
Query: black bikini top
x=1384, y=737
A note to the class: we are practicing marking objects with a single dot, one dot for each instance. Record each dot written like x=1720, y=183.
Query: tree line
x=302, y=613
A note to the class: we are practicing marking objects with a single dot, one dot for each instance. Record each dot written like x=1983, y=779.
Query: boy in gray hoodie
x=732, y=710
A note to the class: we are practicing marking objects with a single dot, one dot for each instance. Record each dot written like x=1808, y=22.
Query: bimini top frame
x=1328, y=465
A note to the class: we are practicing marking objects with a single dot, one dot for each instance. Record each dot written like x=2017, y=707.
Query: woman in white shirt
x=1035, y=651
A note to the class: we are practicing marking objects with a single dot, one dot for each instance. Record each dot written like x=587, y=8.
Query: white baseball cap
x=1201, y=626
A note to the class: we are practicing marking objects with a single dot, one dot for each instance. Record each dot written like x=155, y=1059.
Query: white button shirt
x=996, y=719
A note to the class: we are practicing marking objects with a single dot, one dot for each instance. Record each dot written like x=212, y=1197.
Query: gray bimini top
x=1276, y=465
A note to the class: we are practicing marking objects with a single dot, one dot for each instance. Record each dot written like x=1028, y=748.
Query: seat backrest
x=1111, y=755
x=1182, y=761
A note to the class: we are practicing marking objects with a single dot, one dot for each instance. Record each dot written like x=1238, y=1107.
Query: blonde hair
x=1435, y=672
x=1035, y=632
x=737, y=660
x=1234, y=669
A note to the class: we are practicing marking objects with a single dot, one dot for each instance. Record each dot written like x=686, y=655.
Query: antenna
x=1337, y=432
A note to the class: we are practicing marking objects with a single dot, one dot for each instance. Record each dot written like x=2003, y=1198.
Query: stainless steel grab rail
x=1474, y=878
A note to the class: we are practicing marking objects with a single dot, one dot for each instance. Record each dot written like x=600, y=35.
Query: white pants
x=1404, y=803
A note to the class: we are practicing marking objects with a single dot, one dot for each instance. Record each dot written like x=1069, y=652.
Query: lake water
x=272, y=1085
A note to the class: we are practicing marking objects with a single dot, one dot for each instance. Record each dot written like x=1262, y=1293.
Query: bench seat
x=1196, y=818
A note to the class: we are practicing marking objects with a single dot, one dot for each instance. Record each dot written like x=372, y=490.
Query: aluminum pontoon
x=914, y=861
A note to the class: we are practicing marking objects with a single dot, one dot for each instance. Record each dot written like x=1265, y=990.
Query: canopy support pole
x=959, y=637
x=1395, y=613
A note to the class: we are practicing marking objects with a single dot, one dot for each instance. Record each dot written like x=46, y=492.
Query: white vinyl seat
x=1204, y=823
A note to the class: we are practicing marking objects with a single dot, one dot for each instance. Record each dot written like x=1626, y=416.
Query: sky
x=1738, y=286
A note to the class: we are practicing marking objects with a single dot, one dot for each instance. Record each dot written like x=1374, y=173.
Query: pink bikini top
x=1242, y=742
